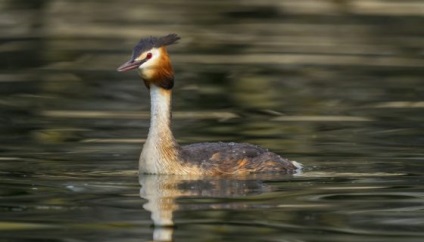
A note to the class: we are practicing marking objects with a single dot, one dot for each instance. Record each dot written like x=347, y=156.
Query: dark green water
x=335, y=85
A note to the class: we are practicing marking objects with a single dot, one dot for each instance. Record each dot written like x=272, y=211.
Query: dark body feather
x=233, y=158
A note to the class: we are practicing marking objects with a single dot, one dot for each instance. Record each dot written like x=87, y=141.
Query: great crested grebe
x=161, y=153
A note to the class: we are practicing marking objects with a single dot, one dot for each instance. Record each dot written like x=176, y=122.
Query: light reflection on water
x=69, y=203
x=335, y=86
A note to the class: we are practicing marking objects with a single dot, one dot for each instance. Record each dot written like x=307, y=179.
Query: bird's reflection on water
x=162, y=191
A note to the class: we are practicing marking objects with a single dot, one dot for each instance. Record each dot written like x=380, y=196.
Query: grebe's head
x=152, y=61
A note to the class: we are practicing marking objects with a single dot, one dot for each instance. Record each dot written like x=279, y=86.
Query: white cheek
x=146, y=73
x=148, y=66
x=152, y=61
x=143, y=66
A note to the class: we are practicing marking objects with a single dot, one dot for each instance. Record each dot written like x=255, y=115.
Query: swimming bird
x=161, y=154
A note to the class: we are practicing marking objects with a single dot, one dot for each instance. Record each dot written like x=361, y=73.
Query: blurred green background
x=239, y=64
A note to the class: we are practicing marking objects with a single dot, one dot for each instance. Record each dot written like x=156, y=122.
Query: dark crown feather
x=153, y=42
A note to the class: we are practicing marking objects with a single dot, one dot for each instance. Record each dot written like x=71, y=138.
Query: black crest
x=153, y=42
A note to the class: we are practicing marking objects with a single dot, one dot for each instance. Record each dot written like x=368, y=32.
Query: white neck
x=160, y=150
x=160, y=120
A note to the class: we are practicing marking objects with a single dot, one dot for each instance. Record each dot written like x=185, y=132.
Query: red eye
x=149, y=55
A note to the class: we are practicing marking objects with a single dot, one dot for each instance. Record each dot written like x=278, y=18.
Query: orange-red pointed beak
x=129, y=65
